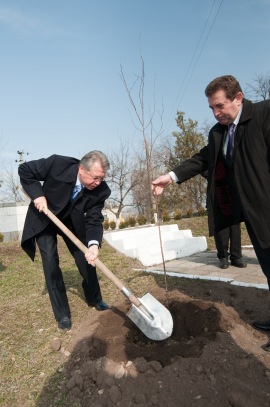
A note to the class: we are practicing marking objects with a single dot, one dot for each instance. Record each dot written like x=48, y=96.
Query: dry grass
x=27, y=325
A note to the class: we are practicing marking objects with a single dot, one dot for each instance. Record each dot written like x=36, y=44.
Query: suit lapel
x=218, y=137
x=245, y=116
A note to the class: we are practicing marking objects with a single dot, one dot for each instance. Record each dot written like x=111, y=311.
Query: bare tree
x=10, y=183
x=2, y=145
x=260, y=89
x=144, y=123
x=158, y=155
x=11, y=191
x=140, y=197
x=122, y=179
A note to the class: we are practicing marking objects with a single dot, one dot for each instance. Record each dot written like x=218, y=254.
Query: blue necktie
x=75, y=191
x=230, y=141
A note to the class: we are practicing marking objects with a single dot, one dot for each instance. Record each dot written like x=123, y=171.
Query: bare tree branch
x=11, y=191
x=260, y=90
x=143, y=127
x=121, y=178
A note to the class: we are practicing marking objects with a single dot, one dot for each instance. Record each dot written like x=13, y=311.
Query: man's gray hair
x=90, y=158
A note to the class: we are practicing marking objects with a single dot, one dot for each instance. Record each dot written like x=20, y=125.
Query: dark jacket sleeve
x=195, y=165
x=32, y=173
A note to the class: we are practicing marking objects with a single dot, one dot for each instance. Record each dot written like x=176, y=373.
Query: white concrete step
x=143, y=243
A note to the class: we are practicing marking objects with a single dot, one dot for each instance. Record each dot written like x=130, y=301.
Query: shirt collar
x=236, y=120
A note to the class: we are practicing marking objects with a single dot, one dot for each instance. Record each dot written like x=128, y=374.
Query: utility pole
x=21, y=159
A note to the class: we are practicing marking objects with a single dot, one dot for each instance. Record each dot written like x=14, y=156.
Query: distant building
x=12, y=218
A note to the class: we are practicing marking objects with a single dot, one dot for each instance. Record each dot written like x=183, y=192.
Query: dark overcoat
x=250, y=167
x=55, y=177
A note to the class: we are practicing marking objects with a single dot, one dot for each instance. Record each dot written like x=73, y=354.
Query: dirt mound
x=212, y=358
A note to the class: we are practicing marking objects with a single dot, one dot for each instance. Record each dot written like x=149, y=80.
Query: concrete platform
x=206, y=266
x=143, y=243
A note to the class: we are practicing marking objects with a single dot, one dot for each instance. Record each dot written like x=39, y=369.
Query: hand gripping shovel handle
x=99, y=263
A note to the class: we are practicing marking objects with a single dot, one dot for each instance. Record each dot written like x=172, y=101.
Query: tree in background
x=1, y=168
x=122, y=178
x=260, y=90
x=140, y=197
x=11, y=191
x=144, y=123
x=191, y=195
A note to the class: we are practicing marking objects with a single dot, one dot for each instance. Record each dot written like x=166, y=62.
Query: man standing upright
x=237, y=158
x=75, y=191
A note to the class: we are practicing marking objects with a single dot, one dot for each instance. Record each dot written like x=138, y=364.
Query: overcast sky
x=61, y=90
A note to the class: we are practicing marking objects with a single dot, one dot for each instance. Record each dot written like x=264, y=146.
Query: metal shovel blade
x=152, y=318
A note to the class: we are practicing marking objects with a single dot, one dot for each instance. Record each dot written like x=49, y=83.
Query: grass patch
x=27, y=325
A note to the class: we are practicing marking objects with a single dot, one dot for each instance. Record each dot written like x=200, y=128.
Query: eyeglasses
x=96, y=178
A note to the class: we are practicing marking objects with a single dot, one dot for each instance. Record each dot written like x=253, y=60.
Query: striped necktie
x=230, y=141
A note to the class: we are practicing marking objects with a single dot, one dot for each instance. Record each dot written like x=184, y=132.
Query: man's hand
x=41, y=204
x=92, y=254
x=160, y=183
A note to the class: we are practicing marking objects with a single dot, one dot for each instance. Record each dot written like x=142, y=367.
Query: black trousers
x=263, y=255
x=47, y=243
x=228, y=242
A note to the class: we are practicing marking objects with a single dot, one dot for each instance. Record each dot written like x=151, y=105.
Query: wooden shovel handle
x=98, y=263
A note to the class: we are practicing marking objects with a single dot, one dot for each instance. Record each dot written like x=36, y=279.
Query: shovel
x=150, y=316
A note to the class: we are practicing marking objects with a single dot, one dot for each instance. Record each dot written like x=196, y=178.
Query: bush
x=1, y=237
x=177, y=215
x=189, y=213
x=126, y=222
x=166, y=217
x=141, y=219
x=112, y=224
x=202, y=211
x=132, y=221
x=123, y=224
x=106, y=225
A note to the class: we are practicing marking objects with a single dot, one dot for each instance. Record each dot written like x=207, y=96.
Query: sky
x=60, y=85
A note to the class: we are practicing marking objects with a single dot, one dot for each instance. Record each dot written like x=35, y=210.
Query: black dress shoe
x=262, y=326
x=238, y=263
x=64, y=324
x=100, y=305
x=223, y=263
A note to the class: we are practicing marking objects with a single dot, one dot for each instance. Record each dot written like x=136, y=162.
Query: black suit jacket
x=55, y=177
x=250, y=169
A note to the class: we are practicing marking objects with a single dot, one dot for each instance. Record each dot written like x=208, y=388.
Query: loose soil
x=213, y=357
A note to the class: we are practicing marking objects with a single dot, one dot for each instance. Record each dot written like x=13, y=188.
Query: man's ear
x=80, y=169
x=239, y=98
